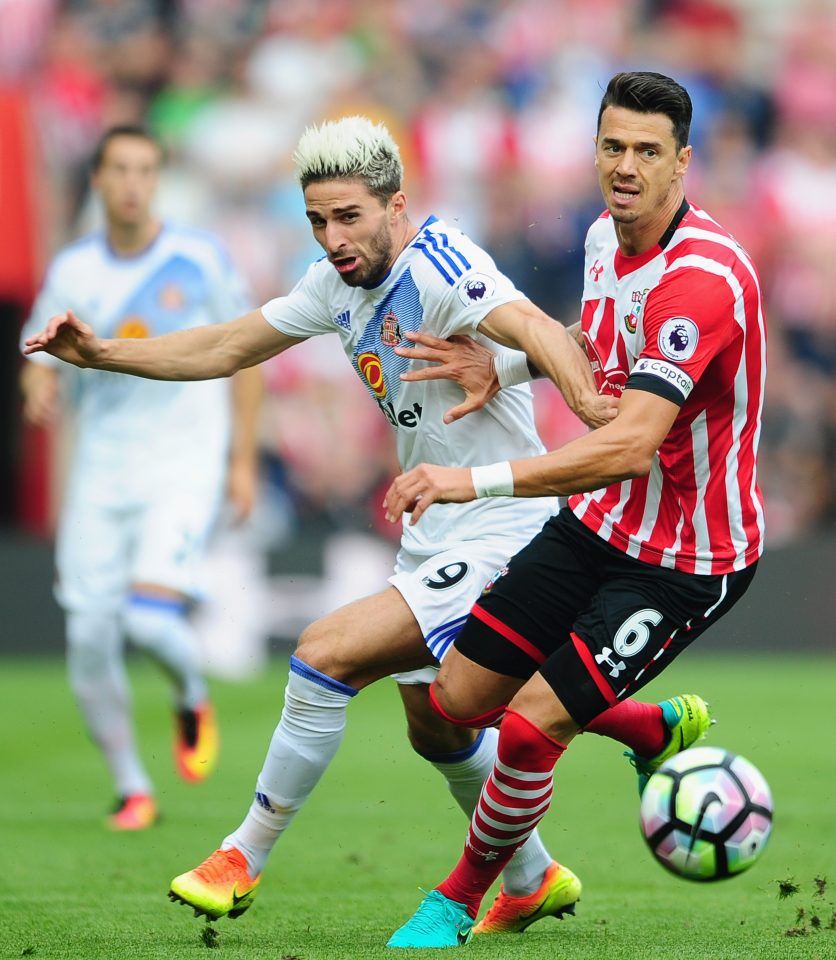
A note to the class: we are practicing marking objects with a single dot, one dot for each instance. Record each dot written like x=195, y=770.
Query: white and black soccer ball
x=706, y=814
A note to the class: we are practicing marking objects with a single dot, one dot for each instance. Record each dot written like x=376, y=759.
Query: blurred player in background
x=381, y=279
x=149, y=465
x=665, y=522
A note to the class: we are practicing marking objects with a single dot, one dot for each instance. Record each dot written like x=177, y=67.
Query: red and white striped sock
x=513, y=801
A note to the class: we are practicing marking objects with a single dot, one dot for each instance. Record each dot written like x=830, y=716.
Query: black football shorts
x=596, y=623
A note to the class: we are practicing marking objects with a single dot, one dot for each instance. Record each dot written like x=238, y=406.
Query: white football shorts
x=440, y=590
x=102, y=549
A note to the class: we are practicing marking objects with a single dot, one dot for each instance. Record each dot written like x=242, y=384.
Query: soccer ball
x=706, y=814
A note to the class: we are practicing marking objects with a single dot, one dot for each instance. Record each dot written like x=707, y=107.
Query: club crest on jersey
x=371, y=369
x=631, y=319
x=390, y=330
x=132, y=328
x=678, y=338
x=172, y=297
x=475, y=287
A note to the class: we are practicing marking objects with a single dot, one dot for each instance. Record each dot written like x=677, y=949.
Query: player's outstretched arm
x=555, y=353
x=620, y=450
x=460, y=359
x=201, y=353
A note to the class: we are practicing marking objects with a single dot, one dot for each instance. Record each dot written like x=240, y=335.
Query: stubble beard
x=380, y=256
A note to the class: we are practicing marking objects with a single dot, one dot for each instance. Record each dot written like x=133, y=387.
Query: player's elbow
x=637, y=459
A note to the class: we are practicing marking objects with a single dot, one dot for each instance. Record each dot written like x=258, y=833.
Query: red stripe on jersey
x=511, y=635
x=695, y=306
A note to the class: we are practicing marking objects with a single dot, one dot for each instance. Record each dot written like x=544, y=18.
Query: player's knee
x=92, y=642
x=428, y=733
x=152, y=621
x=312, y=648
x=459, y=710
x=85, y=632
x=318, y=648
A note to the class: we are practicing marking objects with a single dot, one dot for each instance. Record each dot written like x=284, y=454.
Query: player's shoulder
x=601, y=232
x=444, y=256
x=321, y=278
x=704, y=244
x=76, y=258
x=198, y=242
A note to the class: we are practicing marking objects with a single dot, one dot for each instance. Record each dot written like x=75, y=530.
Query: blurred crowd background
x=494, y=103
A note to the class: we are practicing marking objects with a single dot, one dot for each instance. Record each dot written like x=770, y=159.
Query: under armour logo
x=615, y=667
x=596, y=270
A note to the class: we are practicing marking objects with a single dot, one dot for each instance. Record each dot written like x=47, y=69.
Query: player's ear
x=397, y=205
x=683, y=158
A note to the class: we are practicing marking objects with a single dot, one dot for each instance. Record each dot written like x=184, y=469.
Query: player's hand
x=242, y=487
x=66, y=337
x=413, y=491
x=460, y=359
x=596, y=410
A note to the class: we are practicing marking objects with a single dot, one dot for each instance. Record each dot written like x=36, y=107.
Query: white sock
x=466, y=772
x=160, y=626
x=96, y=672
x=309, y=732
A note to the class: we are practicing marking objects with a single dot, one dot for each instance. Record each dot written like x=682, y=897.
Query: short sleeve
x=473, y=293
x=689, y=319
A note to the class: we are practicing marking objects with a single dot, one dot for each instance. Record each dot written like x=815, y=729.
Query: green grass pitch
x=381, y=824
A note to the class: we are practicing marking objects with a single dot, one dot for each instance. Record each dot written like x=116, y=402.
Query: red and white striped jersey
x=684, y=320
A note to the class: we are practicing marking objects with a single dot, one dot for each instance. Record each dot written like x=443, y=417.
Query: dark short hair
x=647, y=92
x=122, y=130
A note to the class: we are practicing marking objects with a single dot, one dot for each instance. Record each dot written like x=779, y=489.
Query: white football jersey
x=133, y=432
x=441, y=284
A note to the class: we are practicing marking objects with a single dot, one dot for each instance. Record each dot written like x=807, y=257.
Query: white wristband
x=511, y=368
x=494, y=480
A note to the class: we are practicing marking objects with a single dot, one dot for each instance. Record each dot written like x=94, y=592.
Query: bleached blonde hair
x=352, y=148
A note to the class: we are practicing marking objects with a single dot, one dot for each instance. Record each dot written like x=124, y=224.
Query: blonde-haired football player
x=381, y=280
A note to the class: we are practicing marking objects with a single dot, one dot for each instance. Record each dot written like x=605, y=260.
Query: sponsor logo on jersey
x=401, y=418
x=371, y=370
x=678, y=338
x=609, y=382
x=475, y=287
x=132, y=328
x=596, y=270
x=390, y=330
x=667, y=372
x=447, y=576
x=343, y=320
